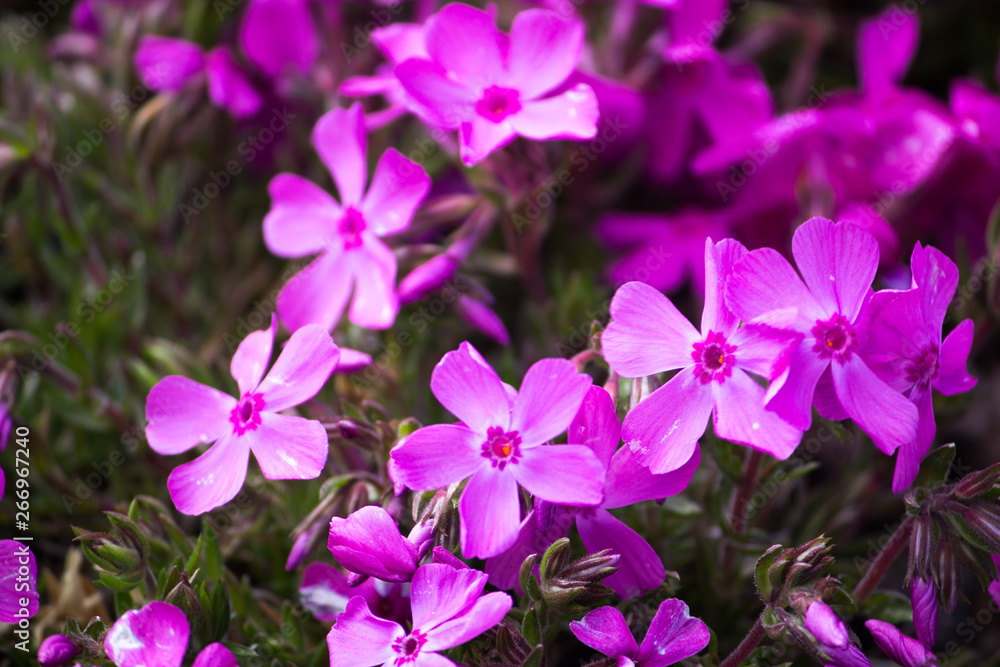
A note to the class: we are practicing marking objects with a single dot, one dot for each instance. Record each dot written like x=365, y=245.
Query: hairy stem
x=746, y=646
x=881, y=564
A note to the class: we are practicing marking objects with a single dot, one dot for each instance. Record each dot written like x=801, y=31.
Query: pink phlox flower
x=279, y=37
x=183, y=413
x=369, y=543
x=902, y=650
x=157, y=634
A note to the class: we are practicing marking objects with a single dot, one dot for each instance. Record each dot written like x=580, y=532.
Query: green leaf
x=192, y=563
x=534, y=658
x=531, y=627
x=123, y=603
x=213, y=552
x=761, y=570
x=934, y=469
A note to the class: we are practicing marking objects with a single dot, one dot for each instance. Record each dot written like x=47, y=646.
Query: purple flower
x=56, y=651
x=903, y=346
x=901, y=649
x=369, y=542
x=832, y=637
x=325, y=591
x=672, y=635
x=596, y=425
x=305, y=220
x=648, y=335
x=18, y=576
x=490, y=86
x=500, y=445
x=278, y=36
x=448, y=607
x=838, y=263
x=183, y=413
x=923, y=599
x=157, y=634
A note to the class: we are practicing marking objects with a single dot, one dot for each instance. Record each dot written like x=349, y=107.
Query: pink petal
x=551, y=394
x=156, y=634
x=884, y=414
x=212, y=479
x=647, y=333
x=954, y=378
x=490, y=513
x=901, y=649
x=14, y=586
x=937, y=278
x=886, y=45
x=838, y=262
x=399, y=41
x=663, y=430
x=465, y=41
x=302, y=219
x=165, y=63
x=764, y=350
x=215, y=655
x=368, y=542
x=470, y=390
x=438, y=593
x=544, y=50
x=639, y=568
x=596, y=425
x=318, y=293
x=483, y=614
x=565, y=474
x=359, y=638
x=923, y=600
x=435, y=456
x=911, y=453
x=504, y=569
x=825, y=399
x=720, y=259
x=673, y=635
x=352, y=361
x=569, y=115
x=740, y=417
x=363, y=86
x=425, y=659
x=252, y=357
x=398, y=187
x=278, y=35
x=479, y=137
x=482, y=318
x=289, y=447
x=301, y=370
x=764, y=281
x=373, y=267
x=446, y=102
x=628, y=482
x=339, y=138
x=228, y=86
x=605, y=630
x=183, y=413
x=792, y=395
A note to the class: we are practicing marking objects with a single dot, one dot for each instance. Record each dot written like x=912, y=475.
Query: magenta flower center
x=497, y=103
x=350, y=227
x=246, y=415
x=713, y=358
x=501, y=447
x=835, y=338
x=408, y=647
x=923, y=369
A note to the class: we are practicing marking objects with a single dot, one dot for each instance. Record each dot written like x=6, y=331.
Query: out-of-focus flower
x=832, y=637
x=500, y=444
x=18, y=576
x=448, y=608
x=838, y=263
x=56, y=651
x=157, y=634
x=305, y=220
x=183, y=413
x=648, y=335
x=491, y=87
x=901, y=649
x=673, y=635
x=903, y=345
x=482, y=317
x=325, y=591
x=279, y=37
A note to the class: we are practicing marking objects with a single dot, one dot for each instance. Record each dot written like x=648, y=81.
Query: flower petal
x=440, y=592
x=504, y=569
x=937, y=278
x=156, y=634
x=215, y=655
x=479, y=137
x=277, y=35
x=763, y=349
x=572, y=114
x=470, y=390
x=901, y=649
x=302, y=219
x=673, y=635
x=368, y=542
x=435, y=456
x=885, y=46
x=605, y=630
x=740, y=417
x=359, y=638
x=954, y=378
x=884, y=414
x=318, y=293
x=639, y=568
x=483, y=614
x=183, y=413
x=628, y=482
x=647, y=333
x=551, y=394
x=228, y=86
x=564, y=474
x=764, y=281
x=14, y=585
x=373, y=267
x=301, y=370
x=791, y=395
x=720, y=258
x=289, y=447
x=596, y=425
x=466, y=43
x=212, y=479
x=446, y=102
x=339, y=138
x=663, y=430
x=252, y=357
x=397, y=188
x=490, y=513
x=544, y=51
x=165, y=63
x=912, y=453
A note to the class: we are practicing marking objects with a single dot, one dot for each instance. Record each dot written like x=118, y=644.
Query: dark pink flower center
x=501, y=447
x=497, y=103
x=923, y=369
x=835, y=338
x=246, y=415
x=713, y=358
x=350, y=227
x=408, y=647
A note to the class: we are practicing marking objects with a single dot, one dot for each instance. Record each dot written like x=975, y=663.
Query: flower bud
x=832, y=637
x=903, y=650
x=184, y=598
x=923, y=598
x=480, y=316
x=56, y=650
x=425, y=278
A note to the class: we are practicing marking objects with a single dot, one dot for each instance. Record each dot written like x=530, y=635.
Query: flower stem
x=738, y=510
x=746, y=646
x=881, y=564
